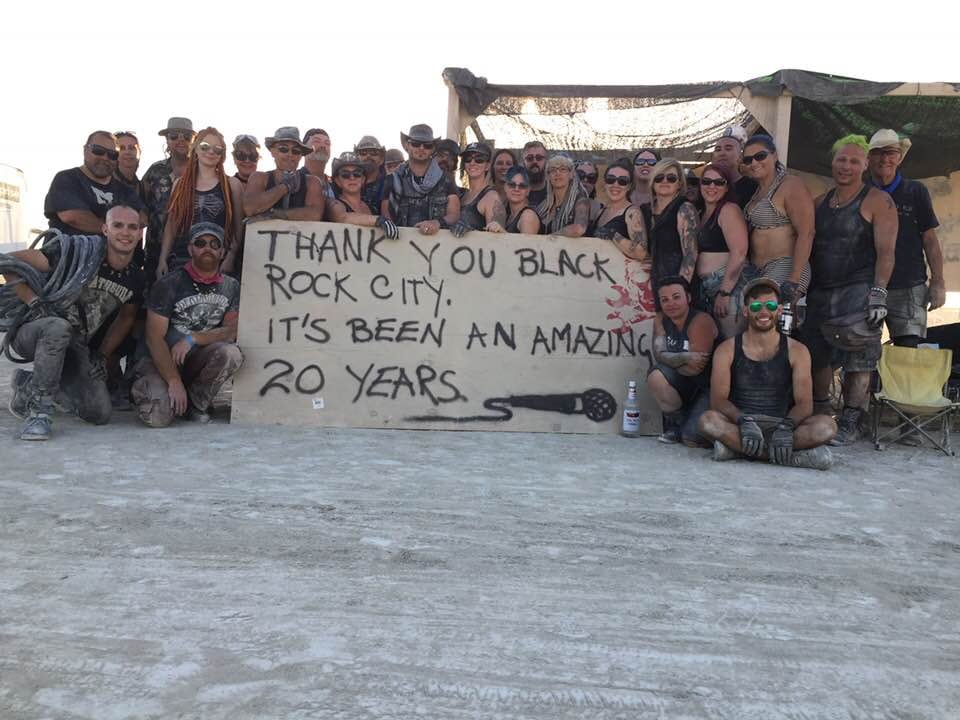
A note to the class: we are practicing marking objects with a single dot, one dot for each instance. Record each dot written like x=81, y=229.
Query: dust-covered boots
x=848, y=427
x=40, y=419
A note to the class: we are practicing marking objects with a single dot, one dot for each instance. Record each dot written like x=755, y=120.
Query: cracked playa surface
x=233, y=572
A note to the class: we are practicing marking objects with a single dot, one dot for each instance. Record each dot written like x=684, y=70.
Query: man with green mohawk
x=851, y=262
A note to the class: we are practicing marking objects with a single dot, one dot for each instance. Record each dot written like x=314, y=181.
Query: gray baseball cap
x=205, y=228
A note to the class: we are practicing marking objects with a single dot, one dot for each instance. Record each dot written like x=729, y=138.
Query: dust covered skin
x=225, y=572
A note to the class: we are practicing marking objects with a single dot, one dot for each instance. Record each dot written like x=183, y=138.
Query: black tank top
x=710, y=237
x=762, y=388
x=208, y=206
x=298, y=199
x=513, y=224
x=677, y=340
x=665, y=242
x=843, y=249
x=617, y=224
x=470, y=213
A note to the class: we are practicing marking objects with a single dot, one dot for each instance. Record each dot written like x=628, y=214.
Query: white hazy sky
x=357, y=68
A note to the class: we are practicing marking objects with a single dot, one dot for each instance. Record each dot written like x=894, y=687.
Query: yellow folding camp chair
x=912, y=384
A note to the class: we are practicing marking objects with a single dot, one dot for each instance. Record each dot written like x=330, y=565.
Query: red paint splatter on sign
x=633, y=303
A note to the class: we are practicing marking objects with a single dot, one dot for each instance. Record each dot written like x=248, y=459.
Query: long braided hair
x=182, y=200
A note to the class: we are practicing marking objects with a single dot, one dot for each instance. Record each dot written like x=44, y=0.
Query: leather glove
x=291, y=178
x=37, y=310
x=98, y=365
x=781, y=442
x=751, y=436
x=389, y=228
x=459, y=229
x=788, y=291
x=876, y=307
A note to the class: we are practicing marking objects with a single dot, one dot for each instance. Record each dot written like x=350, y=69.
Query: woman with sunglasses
x=587, y=174
x=203, y=193
x=521, y=218
x=673, y=227
x=781, y=218
x=349, y=175
x=721, y=248
x=566, y=209
x=480, y=207
x=621, y=221
x=503, y=160
x=643, y=162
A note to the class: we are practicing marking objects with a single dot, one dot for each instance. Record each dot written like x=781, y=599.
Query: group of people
x=728, y=247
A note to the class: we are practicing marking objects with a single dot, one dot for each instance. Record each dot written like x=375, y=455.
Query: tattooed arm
x=636, y=246
x=494, y=213
x=687, y=220
x=581, y=218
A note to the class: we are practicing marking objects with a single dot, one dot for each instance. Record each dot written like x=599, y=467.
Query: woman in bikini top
x=781, y=212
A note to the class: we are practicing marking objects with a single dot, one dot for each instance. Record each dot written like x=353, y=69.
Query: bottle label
x=631, y=420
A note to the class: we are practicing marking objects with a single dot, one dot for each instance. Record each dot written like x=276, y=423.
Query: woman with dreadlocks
x=204, y=193
x=566, y=209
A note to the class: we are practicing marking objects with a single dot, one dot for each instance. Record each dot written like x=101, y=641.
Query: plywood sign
x=342, y=327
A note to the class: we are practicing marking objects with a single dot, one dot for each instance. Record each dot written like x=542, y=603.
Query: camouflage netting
x=604, y=121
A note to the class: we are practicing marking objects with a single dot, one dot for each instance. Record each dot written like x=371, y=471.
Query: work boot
x=721, y=452
x=39, y=421
x=848, y=430
x=672, y=422
x=20, y=394
x=818, y=458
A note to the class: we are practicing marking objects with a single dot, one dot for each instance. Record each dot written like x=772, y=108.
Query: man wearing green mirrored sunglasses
x=761, y=392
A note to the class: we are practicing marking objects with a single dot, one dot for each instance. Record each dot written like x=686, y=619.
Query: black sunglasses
x=215, y=243
x=589, y=177
x=347, y=174
x=671, y=178
x=179, y=135
x=645, y=161
x=100, y=151
x=707, y=182
x=421, y=144
x=618, y=179
x=516, y=185
x=241, y=156
x=475, y=158
x=759, y=157
x=284, y=149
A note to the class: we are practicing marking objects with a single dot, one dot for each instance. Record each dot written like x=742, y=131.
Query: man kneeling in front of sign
x=761, y=392
x=191, y=334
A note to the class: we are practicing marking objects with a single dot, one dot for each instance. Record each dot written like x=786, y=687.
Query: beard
x=536, y=176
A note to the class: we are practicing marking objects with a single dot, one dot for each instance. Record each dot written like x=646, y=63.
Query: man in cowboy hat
x=420, y=195
x=157, y=184
x=371, y=152
x=909, y=295
x=286, y=193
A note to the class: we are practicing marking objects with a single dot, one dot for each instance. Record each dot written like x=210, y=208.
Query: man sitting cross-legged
x=761, y=392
